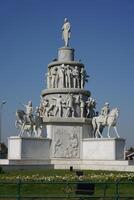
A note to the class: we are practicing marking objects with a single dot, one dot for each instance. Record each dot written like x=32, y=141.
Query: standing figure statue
x=59, y=105
x=90, y=106
x=61, y=76
x=54, y=77
x=76, y=77
x=70, y=106
x=68, y=77
x=84, y=77
x=38, y=122
x=44, y=105
x=82, y=106
x=66, y=31
x=49, y=77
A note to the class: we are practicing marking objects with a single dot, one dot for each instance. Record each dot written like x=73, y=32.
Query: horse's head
x=20, y=114
x=115, y=111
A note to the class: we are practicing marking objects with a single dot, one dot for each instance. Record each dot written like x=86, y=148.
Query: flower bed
x=91, y=176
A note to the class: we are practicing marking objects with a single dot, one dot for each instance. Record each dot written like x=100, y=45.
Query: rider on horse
x=104, y=112
x=29, y=111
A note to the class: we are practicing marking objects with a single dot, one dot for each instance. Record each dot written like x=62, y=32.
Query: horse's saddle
x=103, y=120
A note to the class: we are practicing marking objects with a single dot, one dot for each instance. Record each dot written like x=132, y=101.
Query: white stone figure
x=49, y=79
x=61, y=76
x=54, y=76
x=66, y=31
x=70, y=106
x=90, y=106
x=59, y=106
x=72, y=148
x=29, y=111
x=68, y=77
x=84, y=77
x=22, y=123
x=57, y=145
x=38, y=123
x=99, y=123
x=105, y=111
x=76, y=77
x=28, y=127
x=45, y=108
x=82, y=107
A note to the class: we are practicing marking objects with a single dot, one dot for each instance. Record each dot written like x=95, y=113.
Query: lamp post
x=1, y=106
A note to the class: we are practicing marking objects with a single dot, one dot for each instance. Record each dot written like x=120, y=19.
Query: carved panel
x=66, y=142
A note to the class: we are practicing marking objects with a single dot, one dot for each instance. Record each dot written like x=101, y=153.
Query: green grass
x=58, y=188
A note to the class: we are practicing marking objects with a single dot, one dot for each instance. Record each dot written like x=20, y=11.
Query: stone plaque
x=66, y=142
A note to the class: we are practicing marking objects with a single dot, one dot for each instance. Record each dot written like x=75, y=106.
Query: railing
x=66, y=190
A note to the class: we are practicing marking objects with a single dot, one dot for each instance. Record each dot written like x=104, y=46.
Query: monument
x=65, y=129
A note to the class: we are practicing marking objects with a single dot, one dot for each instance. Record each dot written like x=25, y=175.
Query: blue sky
x=103, y=38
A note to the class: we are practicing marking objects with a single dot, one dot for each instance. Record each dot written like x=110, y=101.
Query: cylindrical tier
x=66, y=54
x=65, y=91
x=64, y=103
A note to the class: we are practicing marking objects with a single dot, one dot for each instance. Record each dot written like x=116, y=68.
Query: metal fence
x=66, y=190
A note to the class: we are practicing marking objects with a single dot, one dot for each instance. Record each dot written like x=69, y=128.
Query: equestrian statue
x=29, y=122
x=106, y=118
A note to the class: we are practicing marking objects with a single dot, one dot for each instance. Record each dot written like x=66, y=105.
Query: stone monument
x=65, y=129
x=67, y=114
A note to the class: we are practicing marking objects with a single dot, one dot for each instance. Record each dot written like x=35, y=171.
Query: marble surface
x=20, y=148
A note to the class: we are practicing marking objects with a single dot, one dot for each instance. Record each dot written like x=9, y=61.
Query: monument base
x=110, y=165
x=103, y=148
x=20, y=148
x=94, y=154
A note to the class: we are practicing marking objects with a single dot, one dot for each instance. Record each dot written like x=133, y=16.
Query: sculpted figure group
x=67, y=106
x=65, y=76
x=30, y=121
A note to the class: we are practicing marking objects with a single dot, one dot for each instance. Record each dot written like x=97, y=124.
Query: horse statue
x=100, y=122
x=30, y=126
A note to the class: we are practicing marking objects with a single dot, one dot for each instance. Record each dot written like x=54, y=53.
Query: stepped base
x=67, y=149
x=111, y=165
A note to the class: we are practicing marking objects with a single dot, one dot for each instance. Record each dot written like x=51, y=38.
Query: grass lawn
x=32, y=183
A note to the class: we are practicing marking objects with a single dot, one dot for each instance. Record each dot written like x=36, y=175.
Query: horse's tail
x=94, y=125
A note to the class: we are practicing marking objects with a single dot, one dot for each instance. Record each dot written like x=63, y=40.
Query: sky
x=103, y=37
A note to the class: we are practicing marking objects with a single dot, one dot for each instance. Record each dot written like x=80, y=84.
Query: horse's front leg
x=117, y=134
x=108, y=132
x=35, y=131
x=22, y=130
x=99, y=135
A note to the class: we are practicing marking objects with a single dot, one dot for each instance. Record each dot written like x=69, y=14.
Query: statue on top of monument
x=66, y=31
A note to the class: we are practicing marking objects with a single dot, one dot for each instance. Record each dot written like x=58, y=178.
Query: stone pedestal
x=28, y=148
x=103, y=149
x=66, y=54
x=67, y=135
